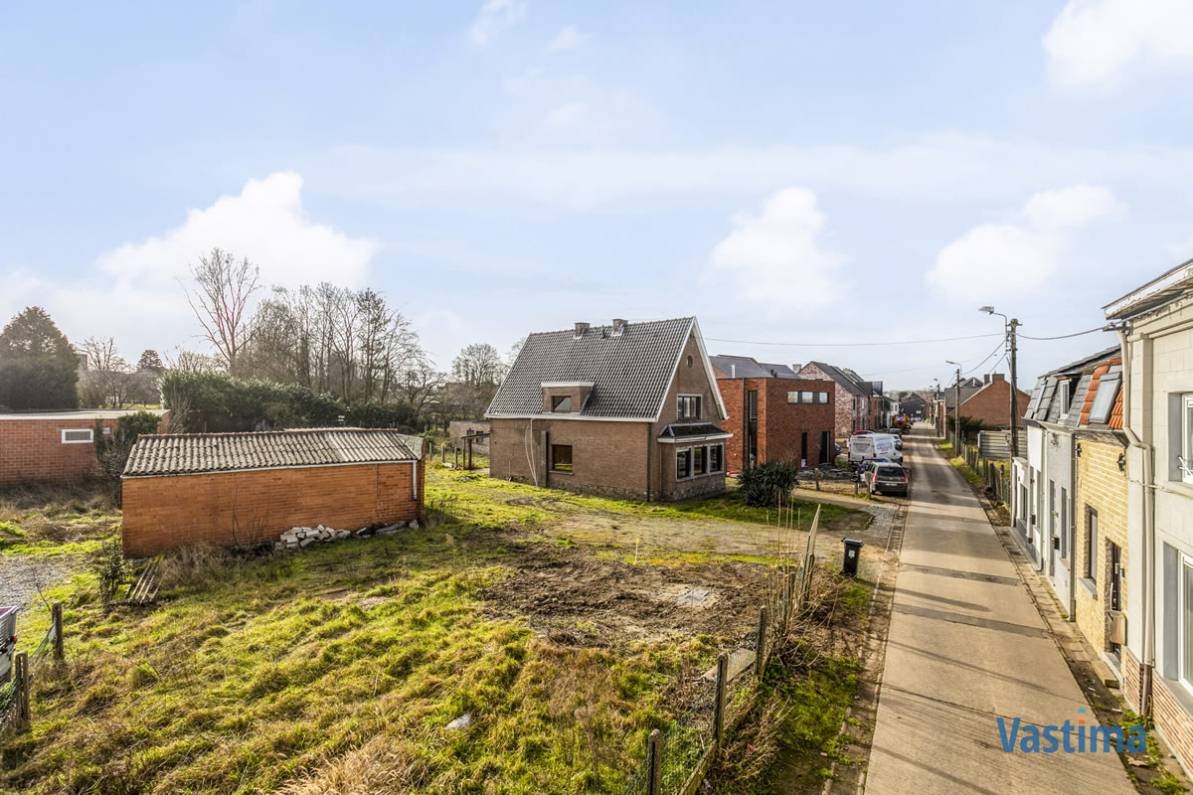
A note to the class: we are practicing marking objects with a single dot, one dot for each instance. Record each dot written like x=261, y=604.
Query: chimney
x=580, y=329
x=733, y=371
x=999, y=377
x=986, y=379
x=619, y=326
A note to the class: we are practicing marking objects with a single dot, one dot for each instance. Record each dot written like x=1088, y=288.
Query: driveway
x=967, y=646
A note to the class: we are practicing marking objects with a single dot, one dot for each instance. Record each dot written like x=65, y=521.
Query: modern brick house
x=1156, y=344
x=51, y=447
x=230, y=489
x=853, y=411
x=775, y=415
x=627, y=410
x=991, y=403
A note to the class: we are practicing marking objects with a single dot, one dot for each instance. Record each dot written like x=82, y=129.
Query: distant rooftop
x=80, y=414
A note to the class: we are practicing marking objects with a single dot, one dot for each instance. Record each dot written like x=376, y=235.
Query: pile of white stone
x=297, y=537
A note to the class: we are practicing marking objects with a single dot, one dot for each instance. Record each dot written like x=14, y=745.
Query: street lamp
x=956, y=408
x=1010, y=324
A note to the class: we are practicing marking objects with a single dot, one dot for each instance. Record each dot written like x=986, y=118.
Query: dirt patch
x=577, y=600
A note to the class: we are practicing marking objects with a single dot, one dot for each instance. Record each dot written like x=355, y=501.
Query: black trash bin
x=853, y=551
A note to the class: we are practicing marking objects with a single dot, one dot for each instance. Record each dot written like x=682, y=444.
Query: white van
x=864, y=446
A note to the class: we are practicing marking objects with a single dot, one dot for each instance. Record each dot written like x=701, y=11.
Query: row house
x=1155, y=326
x=774, y=414
x=852, y=400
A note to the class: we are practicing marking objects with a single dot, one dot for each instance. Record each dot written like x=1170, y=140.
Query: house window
x=699, y=460
x=1065, y=395
x=793, y=397
x=803, y=449
x=561, y=457
x=561, y=403
x=1187, y=440
x=716, y=458
x=689, y=407
x=822, y=398
x=1104, y=400
x=1091, y=545
x=79, y=436
x=683, y=464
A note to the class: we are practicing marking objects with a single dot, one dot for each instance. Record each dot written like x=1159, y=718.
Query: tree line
x=350, y=345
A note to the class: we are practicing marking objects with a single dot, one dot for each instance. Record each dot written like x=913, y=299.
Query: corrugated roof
x=630, y=372
x=197, y=453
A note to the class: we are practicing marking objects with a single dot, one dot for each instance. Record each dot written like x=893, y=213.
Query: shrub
x=763, y=485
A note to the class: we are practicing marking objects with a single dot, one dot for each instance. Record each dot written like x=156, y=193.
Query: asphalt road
x=967, y=646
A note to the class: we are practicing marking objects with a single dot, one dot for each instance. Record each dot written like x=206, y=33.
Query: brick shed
x=230, y=489
x=51, y=447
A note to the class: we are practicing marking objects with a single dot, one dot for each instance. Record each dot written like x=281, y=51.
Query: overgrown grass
x=55, y=520
x=488, y=500
x=295, y=668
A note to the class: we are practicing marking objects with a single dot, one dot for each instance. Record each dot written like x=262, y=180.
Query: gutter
x=1147, y=664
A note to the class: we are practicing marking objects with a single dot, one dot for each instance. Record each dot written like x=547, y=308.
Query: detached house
x=775, y=415
x=626, y=410
x=851, y=399
x=1156, y=335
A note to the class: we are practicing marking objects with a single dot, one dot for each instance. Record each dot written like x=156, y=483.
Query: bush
x=763, y=485
x=112, y=450
x=212, y=401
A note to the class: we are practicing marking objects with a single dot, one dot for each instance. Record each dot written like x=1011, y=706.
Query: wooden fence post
x=59, y=644
x=760, y=653
x=21, y=663
x=719, y=708
x=654, y=752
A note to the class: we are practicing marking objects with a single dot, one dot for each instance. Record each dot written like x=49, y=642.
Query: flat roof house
x=852, y=399
x=51, y=446
x=775, y=414
x=626, y=410
x=232, y=489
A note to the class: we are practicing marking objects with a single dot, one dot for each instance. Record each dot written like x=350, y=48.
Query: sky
x=803, y=177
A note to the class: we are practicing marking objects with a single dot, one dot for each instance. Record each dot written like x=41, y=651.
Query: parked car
x=8, y=642
x=886, y=477
x=860, y=468
x=867, y=445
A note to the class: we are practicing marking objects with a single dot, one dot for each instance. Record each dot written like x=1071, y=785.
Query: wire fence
x=14, y=696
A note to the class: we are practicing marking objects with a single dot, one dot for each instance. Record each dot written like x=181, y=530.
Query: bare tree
x=478, y=365
x=191, y=362
x=109, y=380
x=417, y=382
x=223, y=289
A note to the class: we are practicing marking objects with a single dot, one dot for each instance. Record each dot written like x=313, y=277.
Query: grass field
x=341, y=667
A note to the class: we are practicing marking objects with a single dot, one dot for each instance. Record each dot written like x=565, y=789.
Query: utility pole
x=1011, y=326
x=956, y=409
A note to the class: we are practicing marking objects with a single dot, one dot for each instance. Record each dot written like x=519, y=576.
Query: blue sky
x=795, y=173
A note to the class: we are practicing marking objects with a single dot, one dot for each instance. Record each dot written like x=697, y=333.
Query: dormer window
x=562, y=403
x=688, y=407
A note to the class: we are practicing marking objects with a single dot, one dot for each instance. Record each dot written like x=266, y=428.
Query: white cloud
x=1093, y=42
x=995, y=260
x=135, y=293
x=568, y=38
x=494, y=17
x=775, y=258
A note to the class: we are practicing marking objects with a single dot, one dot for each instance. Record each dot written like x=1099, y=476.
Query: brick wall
x=1101, y=487
x=1173, y=720
x=992, y=404
x=1130, y=668
x=851, y=412
x=31, y=451
x=251, y=507
x=780, y=424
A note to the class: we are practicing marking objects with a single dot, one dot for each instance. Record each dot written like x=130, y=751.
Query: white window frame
x=678, y=452
x=89, y=440
x=1186, y=463
x=1066, y=397
x=1186, y=563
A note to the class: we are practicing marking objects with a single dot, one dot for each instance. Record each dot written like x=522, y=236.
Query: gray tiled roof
x=630, y=372
x=840, y=378
x=747, y=367
x=196, y=453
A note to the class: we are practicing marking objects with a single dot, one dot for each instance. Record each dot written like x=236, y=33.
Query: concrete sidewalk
x=967, y=646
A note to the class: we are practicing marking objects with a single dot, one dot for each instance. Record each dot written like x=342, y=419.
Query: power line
x=996, y=364
x=850, y=344
x=1064, y=336
x=997, y=348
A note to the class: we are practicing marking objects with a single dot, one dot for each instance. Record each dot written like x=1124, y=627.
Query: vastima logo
x=1070, y=738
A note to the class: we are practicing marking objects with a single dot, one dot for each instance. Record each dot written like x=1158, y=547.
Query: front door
x=1116, y=585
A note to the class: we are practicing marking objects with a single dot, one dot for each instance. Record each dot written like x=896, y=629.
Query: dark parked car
x=886, y=477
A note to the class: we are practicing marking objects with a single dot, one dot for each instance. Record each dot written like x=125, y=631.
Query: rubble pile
x=297, y=537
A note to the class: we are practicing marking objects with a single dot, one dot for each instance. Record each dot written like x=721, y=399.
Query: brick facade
x=32, y=451
x=852, y=412
x=233, y=508
x=1101, y=488
x=1172, y=718
x=781, y=425
x=1131, y=682
x=992, y=403
x=610, y=458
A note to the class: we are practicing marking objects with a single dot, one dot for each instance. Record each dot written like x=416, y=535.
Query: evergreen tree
x=151, y=361
x=38, y=367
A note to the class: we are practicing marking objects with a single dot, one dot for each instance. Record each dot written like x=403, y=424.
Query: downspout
x=1072, y=512
x=1148, y=662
